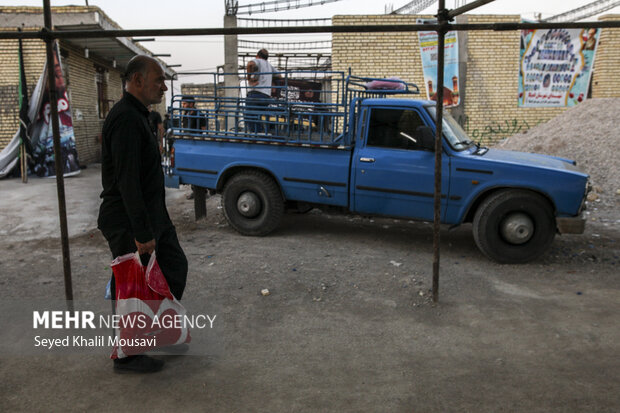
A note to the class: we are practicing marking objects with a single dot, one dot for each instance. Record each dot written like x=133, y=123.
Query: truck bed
x=316, y=174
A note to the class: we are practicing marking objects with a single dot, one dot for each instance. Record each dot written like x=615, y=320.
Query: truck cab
x=516, y=201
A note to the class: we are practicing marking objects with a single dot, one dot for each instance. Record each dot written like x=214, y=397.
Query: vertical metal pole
x=60, y=182
x=441, y=33
x=231, y=79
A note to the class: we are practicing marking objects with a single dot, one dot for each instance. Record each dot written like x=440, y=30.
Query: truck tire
x=253, y=204
x=514, y=226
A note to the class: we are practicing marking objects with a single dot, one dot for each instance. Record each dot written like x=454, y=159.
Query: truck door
x=393, y=175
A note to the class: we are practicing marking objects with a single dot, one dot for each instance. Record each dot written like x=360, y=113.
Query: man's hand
x=252, y=77
x=146, y=248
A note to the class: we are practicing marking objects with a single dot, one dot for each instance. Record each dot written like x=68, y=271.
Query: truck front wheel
x=253, y=204
x=514, y=226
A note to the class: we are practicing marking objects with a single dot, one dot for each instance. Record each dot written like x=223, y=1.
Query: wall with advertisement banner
x=428, y=53
x=556, y=66
x=43, y=158
x=488, y=79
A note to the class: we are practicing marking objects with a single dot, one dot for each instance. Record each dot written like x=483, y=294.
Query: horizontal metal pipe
x=87, y=34
x=464, y=9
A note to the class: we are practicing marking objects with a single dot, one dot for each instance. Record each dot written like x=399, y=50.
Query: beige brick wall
x=378, y=54
x=491, y=109
x=80, y=78
x=606, y=77
x=34, y=59
x=200, y=89
x=81, y=87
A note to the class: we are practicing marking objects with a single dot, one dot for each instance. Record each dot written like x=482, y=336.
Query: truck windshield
x=456, y=136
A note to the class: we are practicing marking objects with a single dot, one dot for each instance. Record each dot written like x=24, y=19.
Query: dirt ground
x=348, y=326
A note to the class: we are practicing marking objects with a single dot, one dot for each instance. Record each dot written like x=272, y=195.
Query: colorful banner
x=556, y=66
x=428, y=51
x=41, y=134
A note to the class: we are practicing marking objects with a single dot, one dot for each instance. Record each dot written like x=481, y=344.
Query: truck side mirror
x=426, y=137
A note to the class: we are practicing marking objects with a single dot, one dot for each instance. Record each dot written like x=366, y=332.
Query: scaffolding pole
x=60, y=180
x=441, y=37
x=372, y=28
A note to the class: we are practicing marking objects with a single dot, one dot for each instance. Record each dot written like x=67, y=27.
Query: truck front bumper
x=571, y=225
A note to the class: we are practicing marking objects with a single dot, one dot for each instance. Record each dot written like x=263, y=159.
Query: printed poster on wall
x=428, y=51
x=556, y=66
x=41, y=133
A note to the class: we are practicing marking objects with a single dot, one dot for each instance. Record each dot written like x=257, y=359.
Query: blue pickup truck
x=364, y=146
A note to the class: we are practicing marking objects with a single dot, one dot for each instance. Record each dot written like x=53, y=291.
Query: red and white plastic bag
x=148, y=315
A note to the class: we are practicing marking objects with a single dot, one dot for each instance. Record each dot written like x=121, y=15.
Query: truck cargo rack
x=306, y=108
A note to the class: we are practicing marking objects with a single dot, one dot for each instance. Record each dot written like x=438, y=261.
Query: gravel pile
x=588, y=133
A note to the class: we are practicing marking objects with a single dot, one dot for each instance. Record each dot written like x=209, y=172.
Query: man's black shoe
x=174, y=349
x=137, y=364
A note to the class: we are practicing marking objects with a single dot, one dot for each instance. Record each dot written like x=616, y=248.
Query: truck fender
x=230, y=170
x=477, y=198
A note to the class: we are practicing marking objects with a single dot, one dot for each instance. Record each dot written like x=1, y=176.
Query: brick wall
x=34, y=59
x=378, y=54
x=490, y=111
x=606, y=77
x=80, y=77
x=200, y=89
x=81, y=86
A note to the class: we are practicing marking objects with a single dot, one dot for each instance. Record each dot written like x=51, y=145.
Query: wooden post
x=200, y=202
x=23, y=161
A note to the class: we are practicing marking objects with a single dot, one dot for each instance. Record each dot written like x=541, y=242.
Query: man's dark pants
x=170, y=256
x=256, y=102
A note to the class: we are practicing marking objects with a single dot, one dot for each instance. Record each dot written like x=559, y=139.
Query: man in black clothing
x=167, y=122
x=192, y=118
x=157, y=127
x=133, y=214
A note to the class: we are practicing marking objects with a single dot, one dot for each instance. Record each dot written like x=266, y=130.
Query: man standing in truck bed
x=133, y=214
x=260, y=76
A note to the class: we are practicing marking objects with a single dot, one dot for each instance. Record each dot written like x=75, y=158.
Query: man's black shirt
x=192, y=118
x=154, y=121
x=131, y=173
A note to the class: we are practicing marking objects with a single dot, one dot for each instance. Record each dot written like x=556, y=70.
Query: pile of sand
x=588, y=133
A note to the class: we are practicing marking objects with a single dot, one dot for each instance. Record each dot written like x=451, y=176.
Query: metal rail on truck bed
x=306, y=108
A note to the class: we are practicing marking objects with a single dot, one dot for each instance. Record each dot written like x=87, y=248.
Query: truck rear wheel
x=253, y=204
x=514, y=226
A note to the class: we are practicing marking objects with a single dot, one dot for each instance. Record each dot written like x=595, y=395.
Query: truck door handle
x=369, y=160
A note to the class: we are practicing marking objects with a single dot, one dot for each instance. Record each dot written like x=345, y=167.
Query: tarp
x=9, y=157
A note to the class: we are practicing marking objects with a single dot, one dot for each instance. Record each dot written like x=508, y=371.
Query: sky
x=207, y=52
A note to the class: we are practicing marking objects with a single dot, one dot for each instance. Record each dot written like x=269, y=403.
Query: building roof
x=121, y=49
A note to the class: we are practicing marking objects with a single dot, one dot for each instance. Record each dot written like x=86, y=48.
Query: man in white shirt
x=260, y=76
